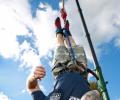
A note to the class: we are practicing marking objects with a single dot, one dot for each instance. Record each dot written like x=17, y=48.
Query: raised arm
x=34, y=77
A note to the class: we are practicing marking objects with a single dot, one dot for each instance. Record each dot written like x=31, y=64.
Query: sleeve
x=38, y=95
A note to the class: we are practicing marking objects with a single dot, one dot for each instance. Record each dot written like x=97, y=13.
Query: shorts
x=62, y=58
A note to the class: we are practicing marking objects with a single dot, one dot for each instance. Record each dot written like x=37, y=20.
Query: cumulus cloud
x=3, y=96
x=12, y=24
x=102, y=19
x=16, y=20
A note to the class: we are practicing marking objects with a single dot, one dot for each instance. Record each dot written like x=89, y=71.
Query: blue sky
x=27, y=39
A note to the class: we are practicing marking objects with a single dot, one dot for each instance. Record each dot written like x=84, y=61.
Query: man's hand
x=32, y=81
x=39, y=72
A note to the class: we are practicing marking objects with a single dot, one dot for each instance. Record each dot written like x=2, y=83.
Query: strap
x=93, y=73
x=87, y=70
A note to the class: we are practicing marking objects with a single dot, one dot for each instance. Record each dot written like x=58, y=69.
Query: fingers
x=39, y=72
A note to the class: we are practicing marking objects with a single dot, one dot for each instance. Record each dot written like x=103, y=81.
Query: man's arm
x=34, y=77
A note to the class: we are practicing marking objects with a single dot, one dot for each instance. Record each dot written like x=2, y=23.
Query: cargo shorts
x=62, y=58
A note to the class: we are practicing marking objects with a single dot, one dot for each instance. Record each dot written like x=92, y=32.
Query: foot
x=66, y=29
x=58, y=26
x=58, y=23
x=67, y=25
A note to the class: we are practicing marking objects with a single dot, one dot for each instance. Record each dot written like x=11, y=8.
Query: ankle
x=59, y=31
x=66, y=32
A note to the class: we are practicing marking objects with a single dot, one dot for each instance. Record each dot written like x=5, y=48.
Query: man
x=70, y=76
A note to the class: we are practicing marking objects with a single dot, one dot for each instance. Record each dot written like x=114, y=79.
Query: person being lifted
x=68, y=69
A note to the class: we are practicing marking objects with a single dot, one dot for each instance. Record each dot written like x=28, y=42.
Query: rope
x=64, y=16
x=63, y=4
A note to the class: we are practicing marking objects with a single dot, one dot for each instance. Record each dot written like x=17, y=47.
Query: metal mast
x=101, y=81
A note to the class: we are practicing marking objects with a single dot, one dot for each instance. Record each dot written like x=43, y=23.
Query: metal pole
x=101, y=81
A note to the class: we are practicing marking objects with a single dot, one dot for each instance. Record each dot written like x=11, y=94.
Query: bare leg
x=71, y=40
x=68, y=36
x=60, y=40
x=78, y=51
x=59, y=32
x=61, y=54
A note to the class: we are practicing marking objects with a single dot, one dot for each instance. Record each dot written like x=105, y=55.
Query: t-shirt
x=38, y=95
x=69, y=86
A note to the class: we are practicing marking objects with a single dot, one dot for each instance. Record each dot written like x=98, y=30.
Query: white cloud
x=11, y=25
x=3, y=96
x=44, y=29
x=102, y=19
x=29, y=58
x=15, y=18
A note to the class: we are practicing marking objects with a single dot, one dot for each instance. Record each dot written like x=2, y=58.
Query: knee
x=59, y=36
